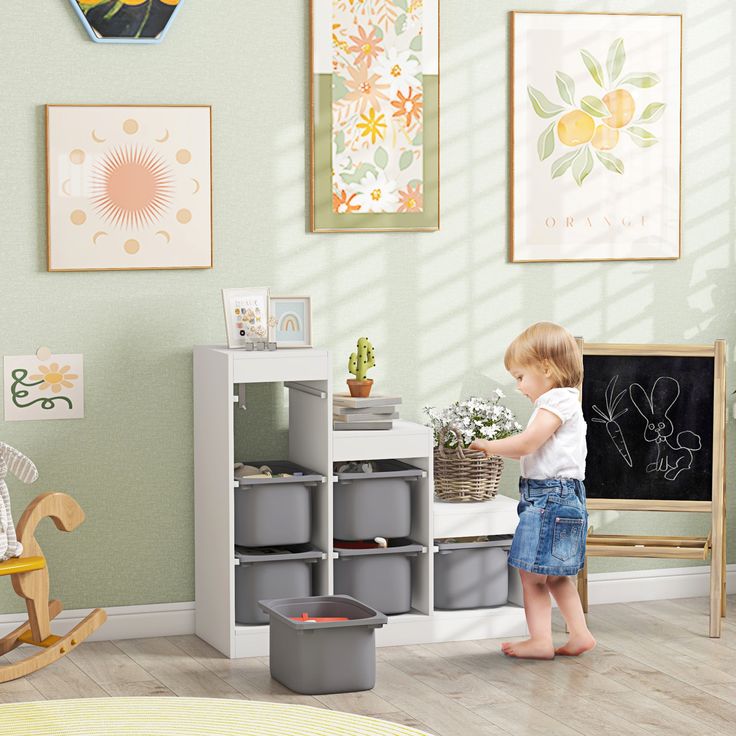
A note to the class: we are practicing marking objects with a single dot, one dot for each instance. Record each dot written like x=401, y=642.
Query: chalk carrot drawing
x=609, y=419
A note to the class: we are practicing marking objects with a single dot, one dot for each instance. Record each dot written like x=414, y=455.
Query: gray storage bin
x=472, y=574
x=273, y=511
x=315, y=658
x=375, y=504
x=271, y=573
x=380, y=577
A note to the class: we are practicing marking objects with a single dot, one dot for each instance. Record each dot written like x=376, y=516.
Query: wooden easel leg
x=583, y=585
x=716, y=582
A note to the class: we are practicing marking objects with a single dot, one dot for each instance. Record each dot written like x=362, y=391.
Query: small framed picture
x=290, y=321
x=246, y=315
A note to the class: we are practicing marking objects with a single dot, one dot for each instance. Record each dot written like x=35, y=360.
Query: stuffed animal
x=19, y=465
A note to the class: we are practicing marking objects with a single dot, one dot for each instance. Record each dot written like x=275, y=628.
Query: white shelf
x=471, y=519
x=220, y=385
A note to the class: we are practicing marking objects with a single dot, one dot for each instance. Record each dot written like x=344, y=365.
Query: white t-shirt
x=563, y=454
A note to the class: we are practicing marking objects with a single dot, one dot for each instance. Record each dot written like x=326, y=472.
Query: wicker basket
x=464, y=475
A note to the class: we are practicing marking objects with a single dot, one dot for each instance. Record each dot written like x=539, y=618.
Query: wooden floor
x=655, y=671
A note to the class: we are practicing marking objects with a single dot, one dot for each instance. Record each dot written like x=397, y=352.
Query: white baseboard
x=654, y=585
x=123, y=622
x=174, y=619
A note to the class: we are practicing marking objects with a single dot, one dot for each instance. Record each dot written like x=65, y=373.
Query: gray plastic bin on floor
x=314, y=658
x=472, y=574
x=272, y=511
x=380, y=577
x=269, y=573
x=375, y=504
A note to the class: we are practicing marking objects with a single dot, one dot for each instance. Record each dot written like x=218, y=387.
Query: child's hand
x=480, y=445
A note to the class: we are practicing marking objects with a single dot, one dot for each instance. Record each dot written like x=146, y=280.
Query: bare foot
x=529, y=649
x=576, y=645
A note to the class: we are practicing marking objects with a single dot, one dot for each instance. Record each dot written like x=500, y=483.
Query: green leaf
x=400, y=24
x=641, y=79
x=360, y=173
x=593, y=67
x=546, y=142
x=542, y=106
x=582, y=166
x=643, y=138
x=403, y=4
x=563, y=163
x=566, y=87
x=406, y=160
x=381, y=157
x=594, y=106
x=378, y=31
x=610, y=162
x=419, y=140
x=616, y=59
x=339, y=90
x=339, y=141
x=416, y=43
x=652, y=112
x=414, y=183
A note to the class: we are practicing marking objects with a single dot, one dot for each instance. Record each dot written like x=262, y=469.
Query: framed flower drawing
x=246, y=315
x=375, y=115
x=596, y=136
x=47, y=387
x=128, y=187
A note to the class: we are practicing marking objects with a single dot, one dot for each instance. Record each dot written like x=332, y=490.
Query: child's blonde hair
x=552, y=348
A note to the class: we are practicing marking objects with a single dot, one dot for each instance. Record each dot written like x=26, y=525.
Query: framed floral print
x=375, y=115
x=290, y=321
x=596, y=136
x=246, y=316
x=128, y=187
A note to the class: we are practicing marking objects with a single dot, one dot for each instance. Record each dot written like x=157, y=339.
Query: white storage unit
x=221, y=377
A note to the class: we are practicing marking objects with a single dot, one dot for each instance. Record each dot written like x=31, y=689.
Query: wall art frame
x=246, y=315
x=290, y=321
x=111, y=21
x=596, y=136
x=374, y=115
x=129, y=187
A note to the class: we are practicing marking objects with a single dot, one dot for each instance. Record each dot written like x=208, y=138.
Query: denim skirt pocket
x=566, y=538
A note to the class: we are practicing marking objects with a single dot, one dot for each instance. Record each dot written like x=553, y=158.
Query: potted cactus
x=358, y=365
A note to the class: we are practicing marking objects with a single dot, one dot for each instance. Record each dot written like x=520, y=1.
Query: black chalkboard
x=650, y=427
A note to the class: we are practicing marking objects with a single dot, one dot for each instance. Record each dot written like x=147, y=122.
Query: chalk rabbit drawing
x=19, y=465
x=672, y=456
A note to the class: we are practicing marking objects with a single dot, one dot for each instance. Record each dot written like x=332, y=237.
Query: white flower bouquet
x=460, y=475
x=475, y=418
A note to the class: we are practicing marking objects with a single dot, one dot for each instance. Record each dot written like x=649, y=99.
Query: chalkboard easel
x=656, y=442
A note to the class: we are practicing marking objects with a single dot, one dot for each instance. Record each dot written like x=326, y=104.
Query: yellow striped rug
x=185, y=717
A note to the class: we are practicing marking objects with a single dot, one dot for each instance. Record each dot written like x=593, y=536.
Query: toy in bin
x=307, y=619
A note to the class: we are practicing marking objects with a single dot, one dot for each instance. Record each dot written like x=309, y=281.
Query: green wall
x=440, y=307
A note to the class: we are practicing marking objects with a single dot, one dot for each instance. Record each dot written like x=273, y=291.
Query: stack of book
x=372, y=412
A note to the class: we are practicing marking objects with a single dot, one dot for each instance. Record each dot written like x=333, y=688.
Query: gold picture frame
x=129, y=187
x=566, y=69
x=374, y=135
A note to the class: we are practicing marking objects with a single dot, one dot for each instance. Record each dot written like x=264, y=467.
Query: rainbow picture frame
x=290, y=321
x=117, y=21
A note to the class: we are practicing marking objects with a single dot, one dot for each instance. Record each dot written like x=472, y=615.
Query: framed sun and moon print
x=375, y=115
x=596, y=136
x=128, y=187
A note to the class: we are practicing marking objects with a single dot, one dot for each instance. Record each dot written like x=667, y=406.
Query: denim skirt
x=550, y=537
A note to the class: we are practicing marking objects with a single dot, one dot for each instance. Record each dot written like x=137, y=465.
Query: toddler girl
x=549, y=543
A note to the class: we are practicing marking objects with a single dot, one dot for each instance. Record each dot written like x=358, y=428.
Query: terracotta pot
x=361, y=389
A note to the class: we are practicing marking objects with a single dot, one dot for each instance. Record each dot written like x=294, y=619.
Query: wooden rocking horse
x=30, y=578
